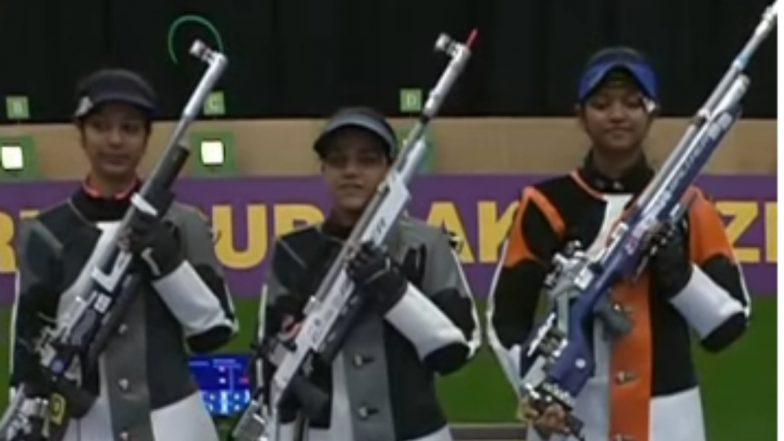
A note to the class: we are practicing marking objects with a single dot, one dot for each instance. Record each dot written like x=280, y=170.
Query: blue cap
x=611, y=59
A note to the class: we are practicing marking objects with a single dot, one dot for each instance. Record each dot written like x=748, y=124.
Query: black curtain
x=307, y=57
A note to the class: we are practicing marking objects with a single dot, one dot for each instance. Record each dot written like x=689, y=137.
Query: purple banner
x=247, y=213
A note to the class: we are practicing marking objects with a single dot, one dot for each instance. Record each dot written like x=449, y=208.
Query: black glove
x=377, y=276
x=670, y=265
x=157, y=244
x=286, y=308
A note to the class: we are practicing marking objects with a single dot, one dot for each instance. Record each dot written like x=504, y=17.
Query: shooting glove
x=283, y=313
x=378, y=276
x=157, y=244
x=670, y=265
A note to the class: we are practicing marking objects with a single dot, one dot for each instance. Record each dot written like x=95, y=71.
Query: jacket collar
x=97, y=208
x=633, y=181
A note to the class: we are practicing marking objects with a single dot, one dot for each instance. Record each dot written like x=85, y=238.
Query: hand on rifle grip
x=289, y=328
x=156, y=242
x=669, y=259
x=552, y=419
x=377, y=275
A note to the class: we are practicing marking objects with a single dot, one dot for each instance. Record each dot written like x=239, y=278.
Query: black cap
x=114, y=85
x=363, y=118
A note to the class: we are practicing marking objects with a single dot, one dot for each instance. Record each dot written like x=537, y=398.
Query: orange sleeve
x=518, y=248
x=707, y=237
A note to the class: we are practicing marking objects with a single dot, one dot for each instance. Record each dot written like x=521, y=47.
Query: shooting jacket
x=644, y=387
x=381, y=383
x=143, y=385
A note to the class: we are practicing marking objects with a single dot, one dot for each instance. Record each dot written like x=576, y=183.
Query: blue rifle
x=108, y=289
x=556, y=359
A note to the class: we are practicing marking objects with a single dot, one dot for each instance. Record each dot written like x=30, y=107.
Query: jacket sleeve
x=440, y=320
x=522, y=268
x=36, y=298
x=196, y=292
x=715, y=301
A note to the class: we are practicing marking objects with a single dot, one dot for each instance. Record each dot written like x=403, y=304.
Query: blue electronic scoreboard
x=224, y=381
